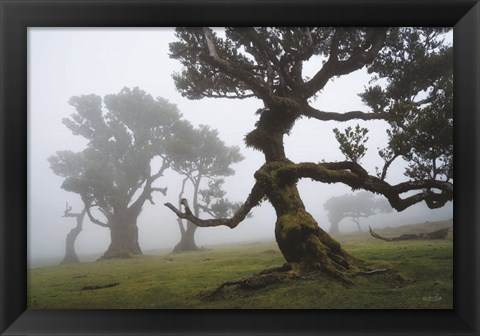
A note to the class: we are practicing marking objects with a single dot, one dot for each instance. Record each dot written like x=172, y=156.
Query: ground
x=420, y=276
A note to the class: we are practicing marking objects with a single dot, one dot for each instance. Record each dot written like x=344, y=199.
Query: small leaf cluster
x=214, y=201
x=352, y=142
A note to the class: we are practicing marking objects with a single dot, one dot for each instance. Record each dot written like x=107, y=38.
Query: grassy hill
x=419, y=276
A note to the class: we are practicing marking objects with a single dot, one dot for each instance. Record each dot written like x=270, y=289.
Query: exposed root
x=279, y=275
x=253, y=282
x=284, y=268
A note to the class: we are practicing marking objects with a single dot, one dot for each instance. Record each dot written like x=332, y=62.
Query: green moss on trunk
x=300, y=239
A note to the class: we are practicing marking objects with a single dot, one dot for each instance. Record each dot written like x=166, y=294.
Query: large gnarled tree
x=413, y=69
x=125, y=154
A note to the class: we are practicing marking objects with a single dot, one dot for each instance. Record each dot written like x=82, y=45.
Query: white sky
x=66, y=62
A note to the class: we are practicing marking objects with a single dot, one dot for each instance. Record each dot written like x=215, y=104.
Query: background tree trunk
x=356, y=220
x=124, y=236
x=70, y=254
x=334, y=228
x=187, y=240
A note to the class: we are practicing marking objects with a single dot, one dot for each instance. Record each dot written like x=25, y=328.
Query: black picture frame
x=17, y=16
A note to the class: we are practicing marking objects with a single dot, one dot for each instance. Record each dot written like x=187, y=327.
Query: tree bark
x=124, y=236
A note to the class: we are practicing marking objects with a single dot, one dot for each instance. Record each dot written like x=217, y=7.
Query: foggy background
x=66, y=62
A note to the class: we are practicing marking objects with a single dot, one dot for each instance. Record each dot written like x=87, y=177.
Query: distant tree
x=200, y=155
x=70, y=254
x=412, y=72
x=115, y=171
x=354, y=206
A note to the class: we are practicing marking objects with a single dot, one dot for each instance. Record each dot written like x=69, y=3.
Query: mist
x=66, y=62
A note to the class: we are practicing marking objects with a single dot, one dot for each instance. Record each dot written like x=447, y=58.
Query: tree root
x=282, y=274
x=253, y=282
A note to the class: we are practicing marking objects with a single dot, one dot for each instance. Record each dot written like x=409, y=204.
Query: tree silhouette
x=199, y=155
x=412, y=76
x=115, y=171
x=360, y=205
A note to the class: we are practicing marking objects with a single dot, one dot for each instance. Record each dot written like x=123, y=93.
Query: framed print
x=126, y=125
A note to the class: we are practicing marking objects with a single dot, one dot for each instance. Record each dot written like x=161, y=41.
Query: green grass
x=419, y=277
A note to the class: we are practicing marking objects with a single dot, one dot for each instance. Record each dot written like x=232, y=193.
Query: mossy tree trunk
x=299, y=237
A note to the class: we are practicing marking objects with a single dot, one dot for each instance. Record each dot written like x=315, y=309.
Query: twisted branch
x=355, y=176
x=312, y=112
x=253, y=200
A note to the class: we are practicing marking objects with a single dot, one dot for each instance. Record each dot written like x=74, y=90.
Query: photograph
x=240, y=168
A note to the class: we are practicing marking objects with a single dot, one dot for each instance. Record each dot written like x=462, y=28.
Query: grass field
x=419, y=276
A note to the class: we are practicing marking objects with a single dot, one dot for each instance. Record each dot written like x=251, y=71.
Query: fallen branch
x=439, y=234
x=100, y=286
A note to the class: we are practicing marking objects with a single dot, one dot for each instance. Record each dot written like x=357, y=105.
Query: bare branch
x=253, y=200
x=359, y=57
x=256, y=85
x=95, y=220
x=311, y=112
x=160, y=171
x=162, y=190
x=68, y=213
